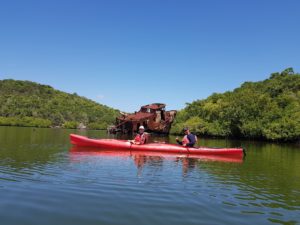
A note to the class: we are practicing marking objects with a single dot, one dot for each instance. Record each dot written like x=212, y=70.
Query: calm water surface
x=43, y=180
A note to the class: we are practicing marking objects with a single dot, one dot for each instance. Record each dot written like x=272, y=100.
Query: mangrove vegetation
x=268, y=110
x=25, y=103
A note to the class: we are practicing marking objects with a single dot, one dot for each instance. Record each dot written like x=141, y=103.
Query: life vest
x=141, y=138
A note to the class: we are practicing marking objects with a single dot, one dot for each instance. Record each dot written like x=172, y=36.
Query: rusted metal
x=153, y=117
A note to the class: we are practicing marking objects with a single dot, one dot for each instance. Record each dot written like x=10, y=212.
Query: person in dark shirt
x=189, y=139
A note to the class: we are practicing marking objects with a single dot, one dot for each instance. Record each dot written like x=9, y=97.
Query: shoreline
x=297, y=142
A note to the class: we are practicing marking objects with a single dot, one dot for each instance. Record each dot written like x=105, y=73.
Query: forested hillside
x=269, y=109
x=25, y=103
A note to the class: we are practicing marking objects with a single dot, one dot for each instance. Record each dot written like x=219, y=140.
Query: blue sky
x=128, y=53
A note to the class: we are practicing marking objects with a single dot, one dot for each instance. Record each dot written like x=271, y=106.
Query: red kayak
x=152, y=147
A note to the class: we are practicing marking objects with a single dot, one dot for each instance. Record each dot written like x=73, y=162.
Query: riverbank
x=31, y=123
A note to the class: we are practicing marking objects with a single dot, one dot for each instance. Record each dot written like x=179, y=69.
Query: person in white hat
x=141, y=137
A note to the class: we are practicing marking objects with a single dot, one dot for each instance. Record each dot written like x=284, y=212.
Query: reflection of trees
x=269, y=170
x=22, y=148
x=270, y=173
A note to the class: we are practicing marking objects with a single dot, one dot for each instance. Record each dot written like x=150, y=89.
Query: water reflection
x=42, y=180
x=229, y=179
x=142, y=158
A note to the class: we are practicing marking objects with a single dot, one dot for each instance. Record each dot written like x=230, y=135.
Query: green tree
x=21, y=100
x=268, y=109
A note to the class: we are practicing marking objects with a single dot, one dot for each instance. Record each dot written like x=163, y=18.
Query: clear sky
x=127, y=53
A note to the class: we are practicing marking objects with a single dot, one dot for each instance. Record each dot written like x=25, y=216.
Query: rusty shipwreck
x=153, y=117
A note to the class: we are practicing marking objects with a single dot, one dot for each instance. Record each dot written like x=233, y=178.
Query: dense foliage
x=25, y=103
x=269, y=109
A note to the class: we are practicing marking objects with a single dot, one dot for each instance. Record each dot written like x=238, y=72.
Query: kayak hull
x=82, y=141
x=76, y=151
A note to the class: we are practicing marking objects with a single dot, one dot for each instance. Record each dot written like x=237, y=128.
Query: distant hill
x=25, y=103
x=268, y=109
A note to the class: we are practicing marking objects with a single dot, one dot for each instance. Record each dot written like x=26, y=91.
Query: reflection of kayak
x=153, y=147
x=92, y=151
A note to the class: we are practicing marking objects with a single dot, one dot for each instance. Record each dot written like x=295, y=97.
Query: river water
x=43, y=180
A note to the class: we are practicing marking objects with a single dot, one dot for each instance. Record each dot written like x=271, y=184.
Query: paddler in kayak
x=189, y=139
x=140, y=138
